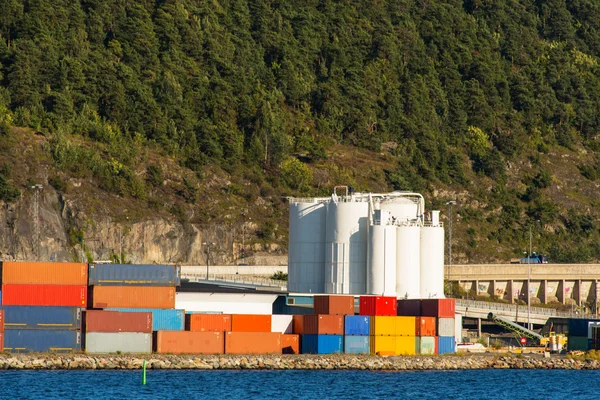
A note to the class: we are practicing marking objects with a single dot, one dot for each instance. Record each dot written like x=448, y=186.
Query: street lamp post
x=449, y=204
x=207, y=244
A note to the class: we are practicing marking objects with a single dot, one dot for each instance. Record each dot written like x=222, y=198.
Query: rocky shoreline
x=287, y=362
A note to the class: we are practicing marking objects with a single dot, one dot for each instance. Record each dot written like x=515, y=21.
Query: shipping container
x=406, y=345
x=322, y=344
x=577, y=343
x=591, y=326
x=162, y=319
x=357, y=344
x=37, y=317
x=252, y=342
x=0, y=297
x=282, y=323
x=425, y=326
x=1, y=323
x=281, y=306
x=115, y=321
x=383, y=345
x=357, y=325
x=378, y=305
x=290, y=344
x=208, y=322
x=446, y=327
x=41, y=340
x=44, y=273
x=383, y=326
x=426, y=345
x=334, y=305
x=133, y=297
x=406, y=326
x=183, y=342
x=298, y=324
x=439, y=308
x=323, y=325
x=122, y=342
x=44, y=295
x=409, y=308
x=446, y=344
x=250, y=323
x=1, y=341
x=134, y=275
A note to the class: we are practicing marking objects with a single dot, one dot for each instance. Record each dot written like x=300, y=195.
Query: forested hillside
x=490, y=103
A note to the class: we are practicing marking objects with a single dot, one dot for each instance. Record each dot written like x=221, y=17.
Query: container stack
x=42, y=303
x=136, y=300
x=443, y=310
x=323, y=331
x=251, y=334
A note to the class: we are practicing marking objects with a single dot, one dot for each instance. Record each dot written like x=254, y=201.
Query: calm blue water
x=481, y=384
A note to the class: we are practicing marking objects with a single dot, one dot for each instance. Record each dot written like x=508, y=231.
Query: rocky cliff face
x=64, y=232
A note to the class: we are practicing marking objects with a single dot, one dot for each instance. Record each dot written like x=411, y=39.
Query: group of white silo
x=365, y=243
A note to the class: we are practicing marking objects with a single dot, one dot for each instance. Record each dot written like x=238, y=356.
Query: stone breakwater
x=287, y=362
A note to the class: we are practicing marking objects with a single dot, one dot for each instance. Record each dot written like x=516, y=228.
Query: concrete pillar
x=510, y=286
x=478, y=327
x=477, y=287
x=577, y=288
x=544, y=291
x=492, y=288
x=561, y=291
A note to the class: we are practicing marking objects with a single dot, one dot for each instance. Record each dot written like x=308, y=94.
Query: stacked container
x=118, y=332
x=251, y=334
x=124, y=290
x=1, y=329
x=323, y=332
x=42, y=304
x=444, y=311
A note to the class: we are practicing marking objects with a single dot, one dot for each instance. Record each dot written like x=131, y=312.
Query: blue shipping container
x=162, y=320
x=322, y=344
x=357, y=325
x=134, y=275
x=39, y=317
x=37, y=340
x=357, y=344
x=0, y=297
x=446, y=344
x=579, y=326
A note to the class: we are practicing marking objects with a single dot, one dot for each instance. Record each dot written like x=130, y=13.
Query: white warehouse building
x=366, y=243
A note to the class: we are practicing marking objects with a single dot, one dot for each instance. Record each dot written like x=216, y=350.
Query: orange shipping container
x=252, y=343
x=183, y=342
x=334, y=305
x=298, y=324
x=323, y=324
x=44, y=295
x=250, y=323
x=133, y=297
x=44, y=273
x=290, y=344
x=425, y=326
x=208, y=322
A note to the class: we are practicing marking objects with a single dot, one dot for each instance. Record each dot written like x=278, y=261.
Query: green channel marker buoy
x=144, y=373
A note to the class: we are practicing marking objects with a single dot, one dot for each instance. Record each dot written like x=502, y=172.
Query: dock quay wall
x=299, y=362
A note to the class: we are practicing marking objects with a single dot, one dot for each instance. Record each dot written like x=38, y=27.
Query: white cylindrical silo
x=408, y=262
x=346, y=247
x=401, y=208
x=306, y=251
x=381, y=260
x=432, y=262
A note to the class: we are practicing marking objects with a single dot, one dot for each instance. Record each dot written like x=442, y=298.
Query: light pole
x=207, y=244
x=449, y=204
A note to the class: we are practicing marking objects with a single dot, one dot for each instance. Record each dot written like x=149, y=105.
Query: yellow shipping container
x=406, y=345
x=383, y=345
x=383, y=326
x=406, y=326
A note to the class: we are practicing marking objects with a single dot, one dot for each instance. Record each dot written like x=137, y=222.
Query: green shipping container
x=575, y=343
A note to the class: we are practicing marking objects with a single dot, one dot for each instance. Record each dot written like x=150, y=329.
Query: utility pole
x=207, y=245
x=450, y=218
x=529, y=283
x=36, y=219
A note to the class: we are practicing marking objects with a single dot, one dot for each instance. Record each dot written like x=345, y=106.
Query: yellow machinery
x=554, y=342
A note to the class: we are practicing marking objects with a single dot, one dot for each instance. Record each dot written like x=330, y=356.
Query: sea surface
x=161, y=384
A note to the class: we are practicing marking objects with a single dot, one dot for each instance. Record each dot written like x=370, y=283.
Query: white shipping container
x=281, y=323
x=124, y=342
x=458, y=328
x=225, y=303
x=446, y=327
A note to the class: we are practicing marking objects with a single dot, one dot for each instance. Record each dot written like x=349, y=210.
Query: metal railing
x=512, y=308
x=241, y=279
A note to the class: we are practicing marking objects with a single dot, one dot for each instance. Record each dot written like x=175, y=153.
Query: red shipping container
x=133, y=297
x=439, y=308
x=409, y=308
x=44, y=273
x=183, y=342
x=1, y=322
x=334, y=305
x=44, y=295
x=378, y=305
x=252, y=343
x=290, y=344
x=208, y=322
x=323, y=324
x=425, y=326
x=250, y=323
x=298, y=324
x=115, y=321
